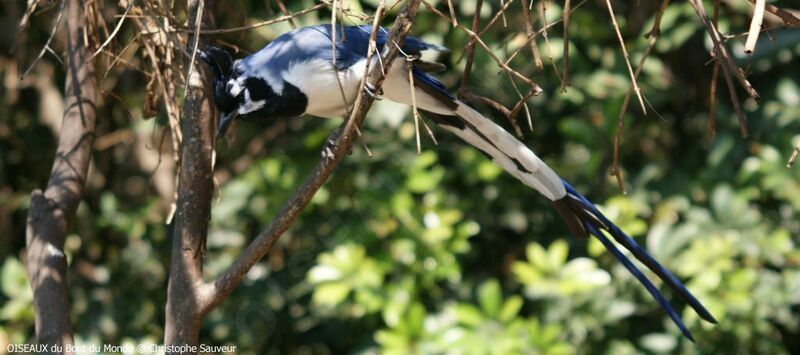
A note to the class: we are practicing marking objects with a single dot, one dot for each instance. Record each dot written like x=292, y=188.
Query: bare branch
x=264, y=23
x=652, y=37
x=49, y=39
x=787, y=17
x=792, y=158
x=116, y=30
x=452, y=12
x=565, y=17
x=542, y=9
x=50, y=211
x=526, y=16
x=469, y=52
x=286, y=12
x=626, y=56
x=729, y=66
x=755, y=26
x=184, y=313
x=712, y=104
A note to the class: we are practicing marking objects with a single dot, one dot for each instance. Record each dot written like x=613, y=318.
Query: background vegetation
x=438, y=252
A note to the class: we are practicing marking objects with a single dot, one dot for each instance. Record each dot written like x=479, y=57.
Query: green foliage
x=443, y=252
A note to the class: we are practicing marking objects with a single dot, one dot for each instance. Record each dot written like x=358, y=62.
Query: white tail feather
x=503, y=147
x=505, y=150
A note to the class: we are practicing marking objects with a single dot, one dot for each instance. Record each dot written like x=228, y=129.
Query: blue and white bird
x=295, y=75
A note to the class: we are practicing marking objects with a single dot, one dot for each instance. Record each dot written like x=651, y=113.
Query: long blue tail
x=593, y=221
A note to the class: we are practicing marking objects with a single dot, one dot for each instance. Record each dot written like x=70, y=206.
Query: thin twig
x=712, y=104
x=729, y=68
x=49, y=39
x=452, y=12
x=114, y=33
x=197, y=24
x=335, y=68
x=503, y=13
x=523, y=100
x=626, y=56
x=794, y=155
x=118, y=58
x=262, y=23
x=491, y=23
x=286, y=12
x=529, y=30
x=565, y=14
x=414, y=104
x=23, y=22
x=414, y=108
x=755, y=27
x=540, y=31
x=787, y=17
x=543, y=15
x=652, y=37
x=469, y=52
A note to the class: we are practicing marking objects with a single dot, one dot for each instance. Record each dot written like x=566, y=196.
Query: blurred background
x=441, y=251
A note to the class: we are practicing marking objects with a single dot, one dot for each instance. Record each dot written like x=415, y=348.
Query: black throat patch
x=289, y=103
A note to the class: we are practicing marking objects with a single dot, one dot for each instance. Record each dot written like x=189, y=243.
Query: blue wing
x=352, y=44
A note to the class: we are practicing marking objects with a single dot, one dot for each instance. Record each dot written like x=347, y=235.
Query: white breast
x=317, y=80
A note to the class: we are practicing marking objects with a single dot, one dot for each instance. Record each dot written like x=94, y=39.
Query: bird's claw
x=373, y=92
x=328, y=149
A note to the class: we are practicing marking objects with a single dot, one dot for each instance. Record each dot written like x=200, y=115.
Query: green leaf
x=537, y=256
x=490, y=297
x=330, y=294
x=510, y=309
x=14, y=281
x=557, y=254
x=468, y=314
x=525, y=273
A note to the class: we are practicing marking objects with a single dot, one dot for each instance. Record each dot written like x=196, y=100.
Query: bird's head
x=227, y=93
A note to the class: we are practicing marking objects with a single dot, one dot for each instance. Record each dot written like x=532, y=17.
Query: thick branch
x=51, y=211
x=184, y=314
x=264, y=242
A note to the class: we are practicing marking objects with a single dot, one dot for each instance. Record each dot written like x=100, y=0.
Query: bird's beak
x=225, y=121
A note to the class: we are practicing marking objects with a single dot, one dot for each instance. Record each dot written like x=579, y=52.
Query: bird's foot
x=373, y=92
x=329, y=149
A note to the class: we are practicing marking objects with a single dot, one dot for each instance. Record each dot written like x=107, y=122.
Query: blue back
x=314, y=42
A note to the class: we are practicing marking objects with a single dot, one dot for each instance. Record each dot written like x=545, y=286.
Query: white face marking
x=233, y=87
x=249, y=105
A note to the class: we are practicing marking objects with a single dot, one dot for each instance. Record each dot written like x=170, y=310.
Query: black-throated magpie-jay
x=295, y=75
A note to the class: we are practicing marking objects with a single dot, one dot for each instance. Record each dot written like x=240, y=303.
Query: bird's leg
x=372, y=92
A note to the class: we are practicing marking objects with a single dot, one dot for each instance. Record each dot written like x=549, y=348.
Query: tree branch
x=343, y=139
x=729, y=67
x=51, y=211
x=184, y=314
x=787, y=17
